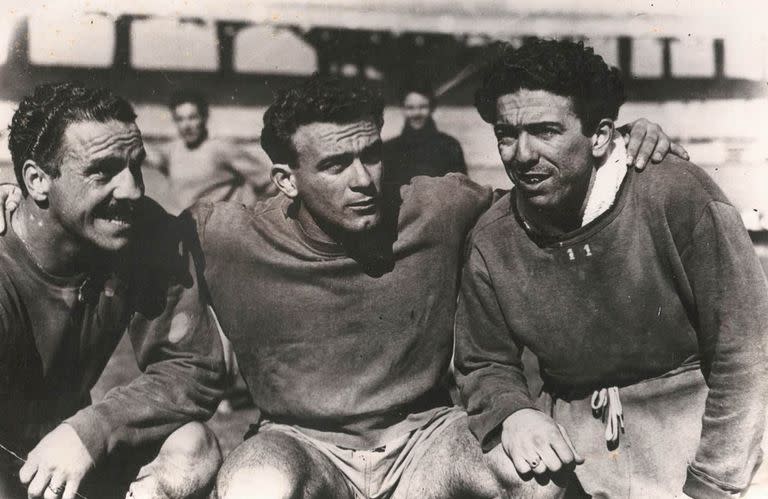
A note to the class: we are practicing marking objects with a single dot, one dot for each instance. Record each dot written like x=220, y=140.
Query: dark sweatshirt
x=57, y=334
x=667, y=275
x=352, y=349
x=426, y=152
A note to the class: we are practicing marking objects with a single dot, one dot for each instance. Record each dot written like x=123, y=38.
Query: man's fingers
x=679, y=150
x=27, y=472
x=55, y=487
x=71, y=490
x=577, y=458
x=549, y=458
x=662, y=148
x=646, y=149
x=11, y=203
x=37, y=486
x=521, y=465
x=636, y=136
x=563, y=450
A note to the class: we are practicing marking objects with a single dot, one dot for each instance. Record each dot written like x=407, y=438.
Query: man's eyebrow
x=543, y=124
x=333, y=159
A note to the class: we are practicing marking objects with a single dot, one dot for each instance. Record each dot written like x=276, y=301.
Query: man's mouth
x=532, y=178
x=366, y=204
x=119, y=216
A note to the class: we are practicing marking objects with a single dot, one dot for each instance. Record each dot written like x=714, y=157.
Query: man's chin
x=364, y=224
x=112, y=240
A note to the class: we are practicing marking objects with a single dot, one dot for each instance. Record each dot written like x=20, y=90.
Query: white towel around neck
x=608, y=180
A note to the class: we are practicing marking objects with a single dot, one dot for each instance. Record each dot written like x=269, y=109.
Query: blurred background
x=699, y=68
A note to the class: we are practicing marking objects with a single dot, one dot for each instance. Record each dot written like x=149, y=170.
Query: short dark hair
x=38, y=125
x=421, y=86
x=319, y=99
x=565, y=68
x=189, y=96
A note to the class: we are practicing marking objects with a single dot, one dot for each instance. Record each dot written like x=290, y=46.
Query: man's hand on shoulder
x=57, y=465
x=536, y=444
x=646, y=140
x=10, y=197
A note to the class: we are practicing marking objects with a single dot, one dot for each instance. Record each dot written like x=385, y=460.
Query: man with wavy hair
x=338, y=296
x=640, y=295
x=86, y=256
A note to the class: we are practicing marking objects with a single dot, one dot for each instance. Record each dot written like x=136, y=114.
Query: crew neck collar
x=20, y=249
x=324, y=248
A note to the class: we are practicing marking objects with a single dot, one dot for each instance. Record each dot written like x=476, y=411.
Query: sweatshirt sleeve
x=731, y=297
x=179, y=352
x=255, y=171
x=489, y=369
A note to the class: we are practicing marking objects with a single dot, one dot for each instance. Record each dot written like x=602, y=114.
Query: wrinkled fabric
x=666, y=276
x=350, y=349
x=57, y=334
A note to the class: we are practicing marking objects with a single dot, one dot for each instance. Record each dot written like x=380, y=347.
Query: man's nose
x=129, y=184
x=363, y=175
x=525, y=153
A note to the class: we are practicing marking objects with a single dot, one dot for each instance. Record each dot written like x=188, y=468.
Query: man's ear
x=285, y=180
x=602, y=138
x=38, y=182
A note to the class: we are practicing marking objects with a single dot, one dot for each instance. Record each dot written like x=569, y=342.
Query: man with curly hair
x=338, y=297
x=640, y=295
x=86, y=256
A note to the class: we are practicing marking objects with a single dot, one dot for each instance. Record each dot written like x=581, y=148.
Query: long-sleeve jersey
x=215, y=170
x=57, y=334
x=349, y=346
x=426, y=152
x=666, y=276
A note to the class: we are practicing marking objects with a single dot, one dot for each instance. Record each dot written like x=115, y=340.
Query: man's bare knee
x=259, y=482
x=186, y=464
x=268, y=466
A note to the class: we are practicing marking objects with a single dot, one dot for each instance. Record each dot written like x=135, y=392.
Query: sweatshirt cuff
x=486, y=426
x=699, y=486
x=92, y=432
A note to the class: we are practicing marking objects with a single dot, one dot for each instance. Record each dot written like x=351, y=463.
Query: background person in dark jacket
x=421, y=149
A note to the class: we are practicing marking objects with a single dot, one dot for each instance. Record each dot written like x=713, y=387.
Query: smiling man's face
x=543, y=148
x=95, y=195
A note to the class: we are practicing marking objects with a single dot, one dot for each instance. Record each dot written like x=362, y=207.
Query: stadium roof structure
x=494, y=18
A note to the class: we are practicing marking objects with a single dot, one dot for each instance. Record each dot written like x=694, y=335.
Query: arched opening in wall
x=174, y=44
x=84, y=40
x=269, y=50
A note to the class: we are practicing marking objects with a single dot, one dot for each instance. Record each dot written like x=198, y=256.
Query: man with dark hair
x=640, y=295
x=199, y=167
x=421, y=149
x=85, y=257
x=338, y=297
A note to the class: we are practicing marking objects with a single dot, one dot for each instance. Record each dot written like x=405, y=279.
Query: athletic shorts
x=374, y=473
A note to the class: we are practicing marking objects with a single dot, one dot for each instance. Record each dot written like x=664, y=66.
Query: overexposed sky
x=712, y=17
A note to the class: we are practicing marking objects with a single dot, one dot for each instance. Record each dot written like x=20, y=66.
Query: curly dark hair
x=319, y=99
x=183, y=96
x=564, y=68
x=38, y=125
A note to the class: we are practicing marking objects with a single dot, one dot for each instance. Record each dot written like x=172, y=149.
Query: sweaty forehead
x=94, y=139
x=526, y=106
